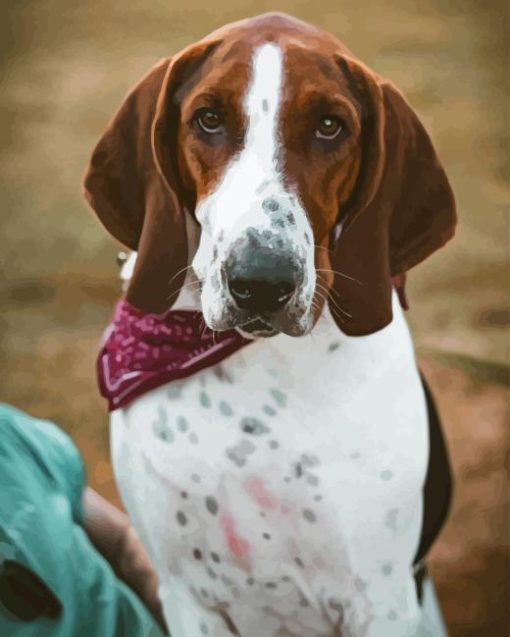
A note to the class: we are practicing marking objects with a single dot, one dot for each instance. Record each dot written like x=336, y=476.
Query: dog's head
x=310, y=177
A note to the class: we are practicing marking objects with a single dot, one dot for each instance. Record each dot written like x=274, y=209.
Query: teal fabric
x=41, y=484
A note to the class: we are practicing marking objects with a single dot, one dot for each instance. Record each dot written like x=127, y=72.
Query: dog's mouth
x=257, y=328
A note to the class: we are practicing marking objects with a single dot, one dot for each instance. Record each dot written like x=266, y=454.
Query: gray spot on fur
x=240, y=452
x=309, y=460
x=265, y=106
x=262, y=187
x=333, y=347
x=205, y=401
x=181, y=518
x=196, y=478
x=163, y=431
x=391, y=519
x=278, y=222
x=392, y=615
x=211, y=505
x=215, y=282
x=193, y=438
x=212, y=574
x=270, y=205
x=355, y=455
x=387, y=569
x=254, y=426
x=387, y=474
x=274, y=444
x=182, y=424
x=279, y=396
x=309, y=515
x=239, y=461
x=291, y=218
x=174, y=391
x=225, y=408
x=270, y=411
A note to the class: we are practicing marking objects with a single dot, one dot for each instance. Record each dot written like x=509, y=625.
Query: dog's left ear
x=401, y=209
x=133, y=185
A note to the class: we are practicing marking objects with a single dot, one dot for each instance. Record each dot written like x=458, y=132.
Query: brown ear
x=401, y=210
x=133, y=186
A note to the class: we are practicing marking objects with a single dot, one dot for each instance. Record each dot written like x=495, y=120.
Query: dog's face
x=269, y=132
x=269, y=143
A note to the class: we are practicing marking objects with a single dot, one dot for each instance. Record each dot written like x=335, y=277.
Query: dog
x=272, y=439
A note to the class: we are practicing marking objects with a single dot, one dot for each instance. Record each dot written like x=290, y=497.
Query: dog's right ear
x=132, y=182
x=121, y=172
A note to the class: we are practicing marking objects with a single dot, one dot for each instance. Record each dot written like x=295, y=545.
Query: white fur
x=235, y=206
x=128, y=267
x=352, y=407
x=354, y=403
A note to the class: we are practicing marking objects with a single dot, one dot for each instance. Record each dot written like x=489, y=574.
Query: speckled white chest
x=284, y=486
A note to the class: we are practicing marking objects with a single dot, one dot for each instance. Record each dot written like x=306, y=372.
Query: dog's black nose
x=261, y=296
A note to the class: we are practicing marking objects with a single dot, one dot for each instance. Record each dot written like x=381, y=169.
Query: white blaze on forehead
x=262, y=105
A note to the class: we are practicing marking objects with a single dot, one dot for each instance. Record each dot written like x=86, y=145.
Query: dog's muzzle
x=263, y=277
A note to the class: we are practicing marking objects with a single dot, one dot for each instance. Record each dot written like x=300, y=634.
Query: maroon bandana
x=142, y=351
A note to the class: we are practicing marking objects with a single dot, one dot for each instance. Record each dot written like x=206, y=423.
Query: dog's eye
x=209, y=120
x=329, y=127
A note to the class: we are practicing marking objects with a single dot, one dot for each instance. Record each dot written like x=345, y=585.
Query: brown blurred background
x=64, y=68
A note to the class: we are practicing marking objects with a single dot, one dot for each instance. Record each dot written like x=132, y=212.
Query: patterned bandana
x=142, y=351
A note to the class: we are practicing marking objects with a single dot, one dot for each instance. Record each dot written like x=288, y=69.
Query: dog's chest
x=280, y=469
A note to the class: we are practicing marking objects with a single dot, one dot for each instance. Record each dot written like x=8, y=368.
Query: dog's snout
x=261, y=278
x=261, y=295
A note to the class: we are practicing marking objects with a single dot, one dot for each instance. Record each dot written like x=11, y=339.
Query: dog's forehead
x=307, y=52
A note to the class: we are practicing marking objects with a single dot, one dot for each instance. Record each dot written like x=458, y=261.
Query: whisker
x=322, y=248
x=177, y=273
x=342, y=320
x=339, y=308
x=186, y=285
x=326, y=292
x=346, y=276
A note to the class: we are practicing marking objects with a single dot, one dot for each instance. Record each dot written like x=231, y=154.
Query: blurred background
x=65, y=67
